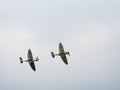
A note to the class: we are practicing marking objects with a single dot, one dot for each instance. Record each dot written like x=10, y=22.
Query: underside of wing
x=64, y=59
x=30, y=54
x=32, y=65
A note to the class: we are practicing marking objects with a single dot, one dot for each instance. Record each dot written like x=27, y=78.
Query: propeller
x=37, y=58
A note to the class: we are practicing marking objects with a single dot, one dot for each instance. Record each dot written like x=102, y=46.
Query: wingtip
x=66, y=63
x=34, y=69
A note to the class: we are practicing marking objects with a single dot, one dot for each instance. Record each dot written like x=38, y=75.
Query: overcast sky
x=88, y=29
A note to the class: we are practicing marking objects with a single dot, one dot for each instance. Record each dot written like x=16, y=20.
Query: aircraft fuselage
x=30, y=60
x=62, y=53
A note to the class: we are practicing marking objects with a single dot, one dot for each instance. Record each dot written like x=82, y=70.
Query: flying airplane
x=30, y=60
x=62, y=54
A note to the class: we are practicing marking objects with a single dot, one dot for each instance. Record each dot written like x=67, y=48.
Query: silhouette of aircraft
x=62, y=53
x=30, y=60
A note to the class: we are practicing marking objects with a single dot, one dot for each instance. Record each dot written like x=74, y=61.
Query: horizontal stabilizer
x=21, y=61
x=52, y=54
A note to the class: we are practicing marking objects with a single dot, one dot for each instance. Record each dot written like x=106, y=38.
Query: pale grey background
x=89, y=29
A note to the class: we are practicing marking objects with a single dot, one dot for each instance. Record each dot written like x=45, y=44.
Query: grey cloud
x=89, y=29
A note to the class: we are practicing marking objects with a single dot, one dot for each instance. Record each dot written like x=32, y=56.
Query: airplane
x=62, y=53
x=30, y=60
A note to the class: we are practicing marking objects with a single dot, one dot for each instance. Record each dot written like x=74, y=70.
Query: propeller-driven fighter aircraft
x=62, y=54
x=30, y=60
